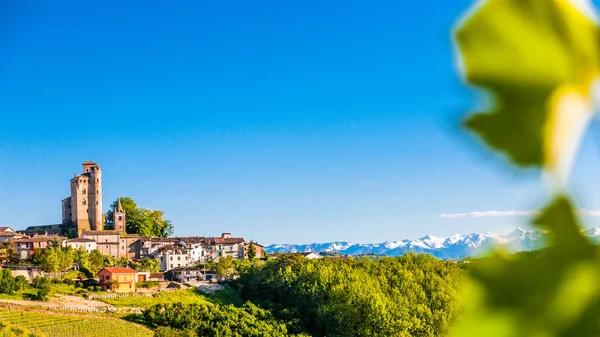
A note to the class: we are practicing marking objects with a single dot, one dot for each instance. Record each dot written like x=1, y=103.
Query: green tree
x=143, y=221
x=50, y=261
x=8, y=253
x=225, y=268
x=81, y=257
x=113, y=284
x=66, y=258
x=251, y=251
x=96, y=259
x=55, y=242
x=7, y=282
x=21, y=283
x=149, y=264
x=38, y=255
x=132, y=213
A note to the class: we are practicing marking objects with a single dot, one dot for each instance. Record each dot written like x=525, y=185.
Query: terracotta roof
x=6, y=229
x=81, y=240
x=40, y=238
x=119, y=270
x=109, y=232
x=5, y=234
x=157, y=275
x=193, y=239
x=226, y=241
x=308, y=253
x=191, y=269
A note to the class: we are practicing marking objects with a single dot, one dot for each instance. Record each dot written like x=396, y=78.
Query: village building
x=225, y=246
x=88, y=244
x=26, y=246
x=126, y=279
x=7, y=233
x=107, y=242
x=190, y=274
x=311, y=255
x=260, y=250
x=149, y=246
x=174, y=256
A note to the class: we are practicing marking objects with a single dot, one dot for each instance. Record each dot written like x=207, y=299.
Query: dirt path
x=68, y=301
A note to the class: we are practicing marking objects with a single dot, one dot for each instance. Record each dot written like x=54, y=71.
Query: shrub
x=148, y=284
x=21, y=283
x=40, y=282
x=7, y=282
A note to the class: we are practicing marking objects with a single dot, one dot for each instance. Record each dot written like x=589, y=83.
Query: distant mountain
x=454, y=247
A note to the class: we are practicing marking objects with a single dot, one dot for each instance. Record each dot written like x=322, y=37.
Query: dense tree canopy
x=143, y=221
x=215, y=320
x=413, y=295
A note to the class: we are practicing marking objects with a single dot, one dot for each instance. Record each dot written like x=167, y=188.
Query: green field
x=51, y=324
x=186, y=296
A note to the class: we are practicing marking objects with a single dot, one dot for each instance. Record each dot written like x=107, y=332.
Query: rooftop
x=119, y=270
x=81, y=240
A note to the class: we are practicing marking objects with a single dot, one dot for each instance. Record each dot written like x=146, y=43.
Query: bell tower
x=119, y=218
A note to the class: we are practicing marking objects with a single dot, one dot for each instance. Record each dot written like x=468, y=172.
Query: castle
x=82, y=211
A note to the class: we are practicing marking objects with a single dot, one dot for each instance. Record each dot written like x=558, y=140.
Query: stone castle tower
x=83, y=209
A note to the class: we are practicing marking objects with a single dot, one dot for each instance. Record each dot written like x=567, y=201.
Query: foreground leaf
x=555, y=294
x=537, y=59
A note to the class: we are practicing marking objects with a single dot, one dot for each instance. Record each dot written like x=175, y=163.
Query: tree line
x=412, y=295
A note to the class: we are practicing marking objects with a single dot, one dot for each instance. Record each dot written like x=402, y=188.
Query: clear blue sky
x=279, y=121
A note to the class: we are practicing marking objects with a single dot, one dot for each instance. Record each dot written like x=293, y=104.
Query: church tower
x=119, y=218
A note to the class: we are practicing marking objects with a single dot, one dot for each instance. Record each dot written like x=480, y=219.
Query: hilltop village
x=84, y=226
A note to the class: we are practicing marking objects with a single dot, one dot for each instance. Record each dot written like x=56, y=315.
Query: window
x=84, y=191
x=83, y=202
x=171, y=258
x=97, y=180
x=97, y=192
x=120, y=218
x=179, y=258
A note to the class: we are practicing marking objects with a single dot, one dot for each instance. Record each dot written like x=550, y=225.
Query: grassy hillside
x=185, y=296
x=50, y=323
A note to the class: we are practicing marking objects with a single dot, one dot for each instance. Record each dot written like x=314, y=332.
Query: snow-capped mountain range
x=454, y=247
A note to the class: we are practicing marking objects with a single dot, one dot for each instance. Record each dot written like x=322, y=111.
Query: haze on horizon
x=278, y=122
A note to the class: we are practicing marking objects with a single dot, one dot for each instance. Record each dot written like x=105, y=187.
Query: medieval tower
x=83, y=209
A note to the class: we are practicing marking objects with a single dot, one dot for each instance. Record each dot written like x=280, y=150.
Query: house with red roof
x=118, y=279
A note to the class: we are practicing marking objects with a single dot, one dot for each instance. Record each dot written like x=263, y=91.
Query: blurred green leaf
x=555, y=294
x=529, y=55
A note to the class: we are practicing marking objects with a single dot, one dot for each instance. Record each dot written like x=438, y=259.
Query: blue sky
x=287, y=122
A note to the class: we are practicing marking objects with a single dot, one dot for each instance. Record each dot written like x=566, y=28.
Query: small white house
x=87, y=244
x=311, y=255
